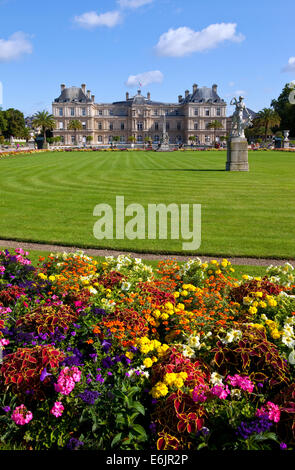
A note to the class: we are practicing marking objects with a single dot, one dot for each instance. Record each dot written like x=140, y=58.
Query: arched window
x=99, y=139
x=156, y=138
x=139, y=138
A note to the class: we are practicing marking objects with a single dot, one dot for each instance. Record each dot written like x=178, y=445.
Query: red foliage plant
x=111, y=279
x=46, y=318
x=10, y=294
x=266, y=287
x=21, y=370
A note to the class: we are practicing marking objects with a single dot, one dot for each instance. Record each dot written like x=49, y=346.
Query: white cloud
x=154, y=76
x=133, y=3
x=291, y=65
x=240, y=93
x=184, y=41
x=91, y=19
x=15, y=46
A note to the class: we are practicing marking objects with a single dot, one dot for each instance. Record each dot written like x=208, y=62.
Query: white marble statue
x=239, y=124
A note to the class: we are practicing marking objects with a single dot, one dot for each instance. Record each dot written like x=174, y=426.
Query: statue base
x=237, y=154
x=164, y=148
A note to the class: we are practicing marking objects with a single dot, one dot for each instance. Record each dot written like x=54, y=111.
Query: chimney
x=83, y=86
x=62, y=87
x=179, y=98
x=195, y=87
x=92, y=98
x=89, y=94
x=214, y=88
x=186, y=93
x=148, y=95
x=127, y=96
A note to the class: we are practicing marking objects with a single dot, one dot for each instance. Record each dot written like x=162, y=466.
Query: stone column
x=237, y=154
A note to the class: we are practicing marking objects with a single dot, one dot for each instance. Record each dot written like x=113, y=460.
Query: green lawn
x=50, y=197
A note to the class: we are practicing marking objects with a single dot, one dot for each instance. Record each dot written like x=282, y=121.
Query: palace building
x=139, y=117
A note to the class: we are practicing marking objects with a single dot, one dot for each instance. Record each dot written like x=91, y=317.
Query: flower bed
x=111, y=355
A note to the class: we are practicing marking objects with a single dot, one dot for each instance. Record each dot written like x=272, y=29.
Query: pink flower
x=198, y=394
x=21, y=415
x=57, y=409
x=242, y=382
x=220, y=391
x=2, y=269
x=271, y=410
x=4, y=342
x=66, y=380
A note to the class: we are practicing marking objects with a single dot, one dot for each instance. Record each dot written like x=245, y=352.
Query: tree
x=44, y=120
x=192, y=138
x=215, y=125
x=285, y=110
x=3, y=122
x=89, y=138
x=268, y=118
x=15, y=123
x=75, y=125
x=115, y=138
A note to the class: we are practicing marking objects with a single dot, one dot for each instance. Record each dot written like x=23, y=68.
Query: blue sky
x=244, y=47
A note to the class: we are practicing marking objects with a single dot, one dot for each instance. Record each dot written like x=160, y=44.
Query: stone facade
x=139, y=117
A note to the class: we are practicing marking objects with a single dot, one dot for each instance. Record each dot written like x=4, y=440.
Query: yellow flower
x=164, y=316
x=129, y=354
x=204, y=265
x=51, y=278
x=148, y=362
x=224, y=263
x=176, y=294
x=275, y=334
x=252, y=310
x=180, y=306
x=262, y=304
x=184, y=293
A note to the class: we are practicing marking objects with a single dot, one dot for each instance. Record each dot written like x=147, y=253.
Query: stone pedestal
x=164, y=148
x=237, y=154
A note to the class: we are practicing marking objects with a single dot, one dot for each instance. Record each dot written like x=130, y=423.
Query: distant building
x=139, y=116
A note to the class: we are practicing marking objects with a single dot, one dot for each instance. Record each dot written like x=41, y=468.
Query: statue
x=164, y=145
x=239, y=124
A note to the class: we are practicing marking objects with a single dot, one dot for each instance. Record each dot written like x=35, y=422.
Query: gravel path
x=148, y=256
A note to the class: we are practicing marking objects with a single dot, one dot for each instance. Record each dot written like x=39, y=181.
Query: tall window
x=139, y=138
x=73, y=139
x=61, y=111
x=111, y=127
x=99, y=139
x=99, y=126
x=83, y=111
x=61, y=125
x=178, y=126
x=111, y=112
x=167, y=126
x=100, y=112
x=156, y=126
x=196, y=126
x=196, y=112
x=84, y=125
x=155, y=112
x=122, y=139
x=218, y=112
x=72, y=111
x=207, y=112
x=139, y=126
x=122, y=126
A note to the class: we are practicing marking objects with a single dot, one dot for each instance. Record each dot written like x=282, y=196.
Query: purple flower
x=99, y=378
x=107, y=362
x=6, y=409
x=106, y=345
x=44, y=374
x=89, y=396
x=283, y=446
x=74, y=444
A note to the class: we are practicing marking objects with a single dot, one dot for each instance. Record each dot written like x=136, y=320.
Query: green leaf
x=116, y=439
x=139, y=407
x=138, y=428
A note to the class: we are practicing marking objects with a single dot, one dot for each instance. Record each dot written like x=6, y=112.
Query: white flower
x=288, y=341
x=194, y=342
x=291, y=357
x=92, y=290
x=187, y=351
x=232, y=335
x=216, y=379
x=125, y=286
x=288, y=330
